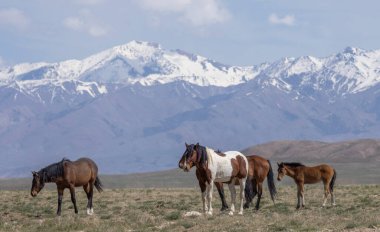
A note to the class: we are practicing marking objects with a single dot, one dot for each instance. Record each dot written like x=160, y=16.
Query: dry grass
x=358, y=209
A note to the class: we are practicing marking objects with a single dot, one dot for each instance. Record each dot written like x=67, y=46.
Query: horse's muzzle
x=33, y=193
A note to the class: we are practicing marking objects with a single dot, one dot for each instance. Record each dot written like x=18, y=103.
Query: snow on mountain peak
x=350, y=71
x=353, y=50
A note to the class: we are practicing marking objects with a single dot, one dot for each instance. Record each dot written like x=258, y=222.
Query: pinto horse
x=69, y=174
x=214, y=167
x=309, y=175
x=259, y=169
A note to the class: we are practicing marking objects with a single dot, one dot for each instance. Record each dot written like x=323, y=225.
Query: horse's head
x=189, y=157
x=281, y=171
x=37, y=184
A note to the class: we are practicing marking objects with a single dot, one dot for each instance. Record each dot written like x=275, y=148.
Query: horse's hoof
x=246, y=206
x=231, y=213
x=240, y=213
x=209, y=213
x=333, y=204
x=90, y=211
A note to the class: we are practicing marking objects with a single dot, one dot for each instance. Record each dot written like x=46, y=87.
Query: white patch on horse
x=221, y=171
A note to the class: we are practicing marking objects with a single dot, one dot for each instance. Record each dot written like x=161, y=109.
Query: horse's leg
x=60, y=196
x=303, y=195
x=231, y=186
x=242, y=187
x=298, y=195
x=91, y=195
x=259, y=194
x=86, y=188
x=326, y=188
x=203, y=186
x=251, y=192
x=73, y=199
x=209, y=197
x=332, y=198
x=219, y=187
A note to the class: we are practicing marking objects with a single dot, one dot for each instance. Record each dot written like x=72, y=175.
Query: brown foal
x=309, y=175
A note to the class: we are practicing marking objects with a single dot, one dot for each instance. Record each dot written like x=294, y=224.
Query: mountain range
x=132, y=107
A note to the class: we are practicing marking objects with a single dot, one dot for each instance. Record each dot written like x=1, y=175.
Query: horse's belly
x=224, y=172
x=223, y=179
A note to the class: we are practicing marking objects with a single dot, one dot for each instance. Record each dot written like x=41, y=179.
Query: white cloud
x=97, y=31
x=13, y=17
x=88, y=2
x=85, y=23
x=166, y=5
x=194, y=12
x=73, y=23
x=287, y=20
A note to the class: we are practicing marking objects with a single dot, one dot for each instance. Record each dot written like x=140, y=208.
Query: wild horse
x=309, y=175
x=211, y=167
x=69, y=174
x=259, y=169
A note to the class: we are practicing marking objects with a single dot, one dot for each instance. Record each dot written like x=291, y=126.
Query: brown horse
x=212, y=167
x=69, y=174
x=259, y=169
x=309, y=175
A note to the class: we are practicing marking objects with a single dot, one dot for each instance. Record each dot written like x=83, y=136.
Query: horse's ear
x=197, y=144
x=278, y=164
x=186, y=144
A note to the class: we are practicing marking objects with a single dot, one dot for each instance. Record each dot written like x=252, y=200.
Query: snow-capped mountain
x=138, y=103
x=135, y=62
x=353, y=70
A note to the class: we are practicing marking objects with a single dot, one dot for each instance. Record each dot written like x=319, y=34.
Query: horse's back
x=324, y=168
x=258, y=166
x=228, y=165
x=317, y=173
x=240, y=162
x=84, y=169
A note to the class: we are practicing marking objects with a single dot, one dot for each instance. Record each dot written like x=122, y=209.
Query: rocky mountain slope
x=133, y=106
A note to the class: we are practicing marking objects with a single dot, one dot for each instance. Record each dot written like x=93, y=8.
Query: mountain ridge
x=353, y=70
x=133, y=114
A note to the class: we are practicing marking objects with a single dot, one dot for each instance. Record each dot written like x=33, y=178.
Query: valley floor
x=163, y=209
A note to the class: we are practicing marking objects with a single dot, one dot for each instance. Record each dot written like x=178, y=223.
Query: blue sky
x=239, y=32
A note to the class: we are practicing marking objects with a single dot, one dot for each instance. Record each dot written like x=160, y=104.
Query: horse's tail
x=270, y=180
x=332, y=182
x=98, y=184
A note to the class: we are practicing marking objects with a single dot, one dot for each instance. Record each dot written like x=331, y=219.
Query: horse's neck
x=52, y=173
x=291, y=171
x=210, y=156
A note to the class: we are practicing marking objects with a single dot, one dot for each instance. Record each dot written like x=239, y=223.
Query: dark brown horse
x=259, y=169
x=69, y=174
x=309, y=175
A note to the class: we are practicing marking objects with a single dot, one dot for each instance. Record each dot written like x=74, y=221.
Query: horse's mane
x=53, y=171
x=202, y=154
x=294, y=164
